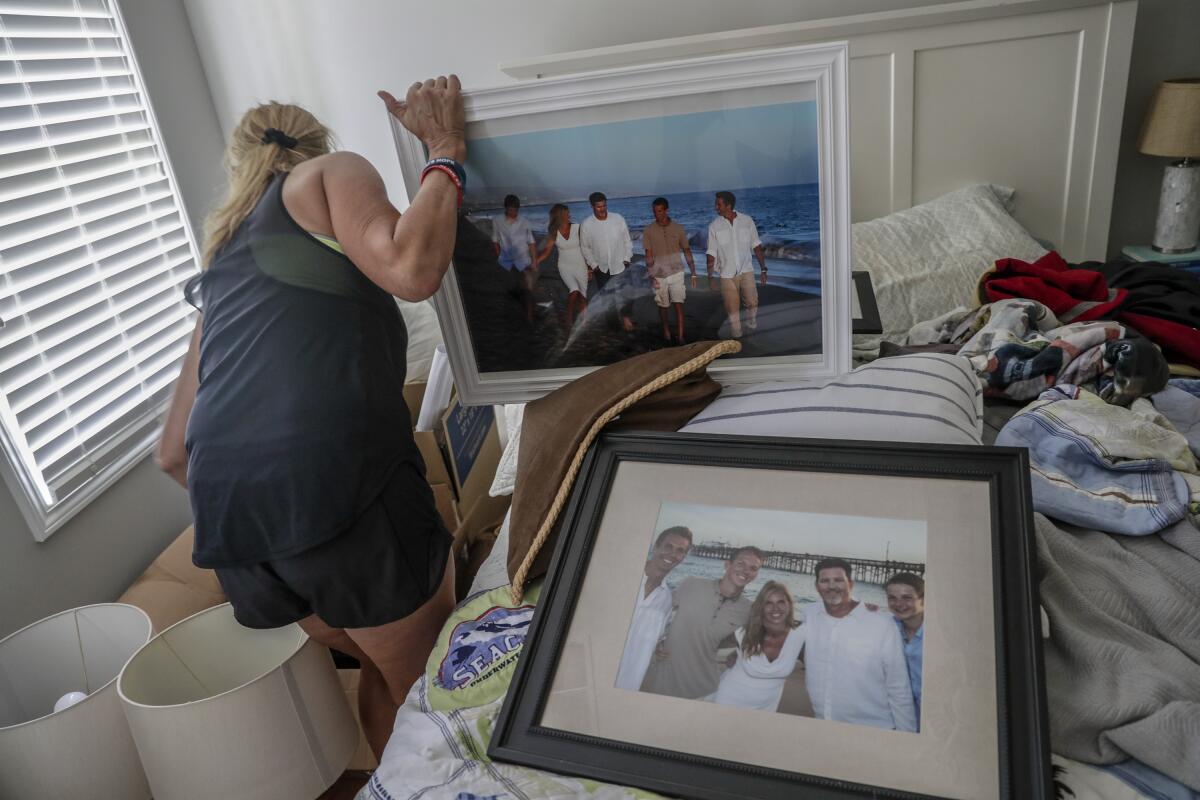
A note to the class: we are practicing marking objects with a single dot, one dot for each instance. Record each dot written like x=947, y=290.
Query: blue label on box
x=466, y=430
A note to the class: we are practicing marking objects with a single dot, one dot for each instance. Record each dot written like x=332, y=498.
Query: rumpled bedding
x=1104, y=466
x=1020, y=348
x=1161, y=302
x=1123, y=657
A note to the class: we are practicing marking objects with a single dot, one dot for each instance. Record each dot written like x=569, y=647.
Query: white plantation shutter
x=94, y=249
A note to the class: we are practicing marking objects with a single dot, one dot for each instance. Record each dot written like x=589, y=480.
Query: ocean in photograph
x=788, y=220
x=803, y=586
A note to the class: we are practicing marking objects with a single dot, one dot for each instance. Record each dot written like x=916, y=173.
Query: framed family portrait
x=749, y=617
x=612, y=213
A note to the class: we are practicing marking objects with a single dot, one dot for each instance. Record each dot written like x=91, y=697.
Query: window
x=94, y=248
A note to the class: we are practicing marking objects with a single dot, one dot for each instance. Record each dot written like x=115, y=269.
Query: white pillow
x=928, y=259
x=506, y=470
x=423, y=336
x=912, y=398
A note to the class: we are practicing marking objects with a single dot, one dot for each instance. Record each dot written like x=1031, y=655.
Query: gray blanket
x=1123, y=658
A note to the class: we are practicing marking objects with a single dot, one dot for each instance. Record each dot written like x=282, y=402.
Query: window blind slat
x=48, y=116
x=57, y=8
x=21, y=144
x=61, y=49
x=49, y=71
x=18, y=99
x=48, y=26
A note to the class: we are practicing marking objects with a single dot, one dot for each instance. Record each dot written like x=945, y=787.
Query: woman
x=564, y=235
x=768, y=647
x=287, y=425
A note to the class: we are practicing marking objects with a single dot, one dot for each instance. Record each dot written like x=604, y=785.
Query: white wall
x=99, y=552
x=331, y=57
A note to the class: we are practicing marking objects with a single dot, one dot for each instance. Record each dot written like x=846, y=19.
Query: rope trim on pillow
x=726, y=347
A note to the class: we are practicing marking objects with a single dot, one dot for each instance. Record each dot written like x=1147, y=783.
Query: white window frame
x=44, y=514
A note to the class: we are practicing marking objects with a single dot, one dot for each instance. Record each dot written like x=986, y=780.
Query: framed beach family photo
x=748, y=617
x=612, y=213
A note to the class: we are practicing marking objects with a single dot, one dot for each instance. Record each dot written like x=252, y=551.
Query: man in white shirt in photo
x=855, y=669
x=608, y=250
x=653, y=607
x=731, y=239
x=513, y=242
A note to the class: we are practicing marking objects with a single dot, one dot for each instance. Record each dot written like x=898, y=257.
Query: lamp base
x=1178, y=226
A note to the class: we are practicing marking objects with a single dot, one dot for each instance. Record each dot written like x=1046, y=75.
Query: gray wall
x=1166, y=44
x=100, y=551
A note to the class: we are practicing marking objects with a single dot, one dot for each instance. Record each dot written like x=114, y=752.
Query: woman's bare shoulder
x=341, y=163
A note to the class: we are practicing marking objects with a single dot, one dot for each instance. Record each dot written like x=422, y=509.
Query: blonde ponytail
x=251, y=163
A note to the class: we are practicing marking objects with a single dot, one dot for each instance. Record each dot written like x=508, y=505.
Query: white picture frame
x=818, y=71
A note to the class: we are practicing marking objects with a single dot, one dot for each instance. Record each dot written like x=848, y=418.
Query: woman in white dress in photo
x=564, y=235
x=768, y=647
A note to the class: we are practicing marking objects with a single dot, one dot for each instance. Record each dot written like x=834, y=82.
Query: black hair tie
x=276, y=136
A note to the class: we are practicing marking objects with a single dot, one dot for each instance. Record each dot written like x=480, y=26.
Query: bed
x=933, y=212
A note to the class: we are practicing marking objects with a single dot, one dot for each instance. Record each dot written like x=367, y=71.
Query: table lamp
x=218, y=710
x=1172, y=128
x=62, y=730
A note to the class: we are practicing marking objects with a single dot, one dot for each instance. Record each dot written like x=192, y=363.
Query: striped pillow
x=910, y=398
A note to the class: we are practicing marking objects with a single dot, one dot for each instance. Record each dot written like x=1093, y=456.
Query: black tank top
x=299, y=418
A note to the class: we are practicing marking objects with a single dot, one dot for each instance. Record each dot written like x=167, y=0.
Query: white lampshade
x=84, y=750
x=219, y=710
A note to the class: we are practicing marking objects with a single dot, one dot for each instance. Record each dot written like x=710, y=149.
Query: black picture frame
x=868, y=321
x=1022, y=731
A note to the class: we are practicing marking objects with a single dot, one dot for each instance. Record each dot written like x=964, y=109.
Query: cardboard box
x=460, y=457
x=471, y=443
x=436, y=471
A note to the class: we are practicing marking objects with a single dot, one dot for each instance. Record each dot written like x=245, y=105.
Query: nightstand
x=1144, y=252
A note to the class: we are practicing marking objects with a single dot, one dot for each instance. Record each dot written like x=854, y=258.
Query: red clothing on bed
x=1080, y=295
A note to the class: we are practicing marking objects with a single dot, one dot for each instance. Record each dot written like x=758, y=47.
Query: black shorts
x=385, y=566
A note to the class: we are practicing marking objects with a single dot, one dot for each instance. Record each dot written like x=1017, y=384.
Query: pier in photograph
x=864, y=569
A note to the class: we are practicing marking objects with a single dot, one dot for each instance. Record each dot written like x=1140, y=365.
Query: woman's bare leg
x=391, y=657
x=400, y=649
x=376, y=710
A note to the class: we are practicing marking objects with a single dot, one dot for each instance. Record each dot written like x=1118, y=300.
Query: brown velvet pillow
x=660, y=391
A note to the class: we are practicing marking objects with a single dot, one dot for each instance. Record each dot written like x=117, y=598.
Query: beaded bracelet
x=449, y=173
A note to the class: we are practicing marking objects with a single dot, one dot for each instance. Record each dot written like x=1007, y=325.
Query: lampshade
x=218, y=710
x=1172, y=126
x=84, y=750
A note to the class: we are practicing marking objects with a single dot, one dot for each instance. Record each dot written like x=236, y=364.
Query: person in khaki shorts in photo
x=664, y=240
x=731, y=238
